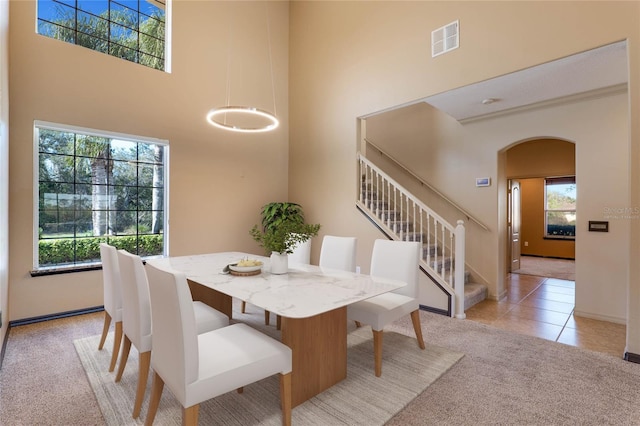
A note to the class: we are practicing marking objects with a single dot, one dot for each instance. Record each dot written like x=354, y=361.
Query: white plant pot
x=279, y=263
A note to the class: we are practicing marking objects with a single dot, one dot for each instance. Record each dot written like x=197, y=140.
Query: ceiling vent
x=445, y=39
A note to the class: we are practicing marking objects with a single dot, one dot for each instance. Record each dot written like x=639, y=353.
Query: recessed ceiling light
x=489, y=101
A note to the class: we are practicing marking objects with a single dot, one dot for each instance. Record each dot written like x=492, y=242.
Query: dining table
x=311, y=301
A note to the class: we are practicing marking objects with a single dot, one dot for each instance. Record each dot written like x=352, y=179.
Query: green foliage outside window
x=66, y=251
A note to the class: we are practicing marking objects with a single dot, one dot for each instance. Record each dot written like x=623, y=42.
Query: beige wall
x=4, y=168
x=218, y=180
x=530, y=162
x=351, y=59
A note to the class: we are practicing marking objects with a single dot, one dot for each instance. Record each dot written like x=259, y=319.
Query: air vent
x=445, y=39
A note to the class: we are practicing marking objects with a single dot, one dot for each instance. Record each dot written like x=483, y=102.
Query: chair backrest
x=136, y=305
x=301, y=253
x=397, y=260
x=175, y=338
x=111, y=281
x=338, y=253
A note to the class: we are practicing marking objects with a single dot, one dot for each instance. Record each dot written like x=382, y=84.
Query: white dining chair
x=197, y=368
x=112, y=300
x=338, y=253
x=335, y=253
x=395, y=260
x=301, y=253
x=136, y=319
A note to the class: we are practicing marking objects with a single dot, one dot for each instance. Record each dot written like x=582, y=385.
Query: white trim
x=100, y=133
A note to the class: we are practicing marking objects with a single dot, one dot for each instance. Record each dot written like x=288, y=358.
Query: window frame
x=56, y=269
x=164, y=5
x=557, y=180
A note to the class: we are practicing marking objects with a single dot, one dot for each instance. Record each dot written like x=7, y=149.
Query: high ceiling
x=593, y=70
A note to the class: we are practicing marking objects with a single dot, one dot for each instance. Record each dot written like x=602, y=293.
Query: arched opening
x=541, y=217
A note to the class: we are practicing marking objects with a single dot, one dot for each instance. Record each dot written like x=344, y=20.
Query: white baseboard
x=616, y=320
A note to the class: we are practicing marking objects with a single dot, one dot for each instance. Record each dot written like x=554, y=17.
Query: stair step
x=430, y=250
x=413, y=236
x=377, y=205
x=474, y=293
x=400, y=225
x=385, y=215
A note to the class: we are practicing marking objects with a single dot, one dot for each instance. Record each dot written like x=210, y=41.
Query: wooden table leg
x=319, y=349
x=211, y=297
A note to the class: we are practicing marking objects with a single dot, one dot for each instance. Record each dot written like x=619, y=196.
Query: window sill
x=560, y=238
x=64, y=270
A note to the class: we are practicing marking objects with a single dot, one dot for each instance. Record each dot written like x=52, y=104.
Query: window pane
x=561, y=223
x=123, y=52
x=126, y=222
x=56, y=142
x=124, y=150
x=124, y=16
x=56, y=168
x=561, y=197
x=96, y=7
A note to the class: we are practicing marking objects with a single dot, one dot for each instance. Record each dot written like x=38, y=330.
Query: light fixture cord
x=273, y=87
x=229, y=50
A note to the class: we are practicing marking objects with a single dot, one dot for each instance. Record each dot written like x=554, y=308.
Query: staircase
x=401, y=216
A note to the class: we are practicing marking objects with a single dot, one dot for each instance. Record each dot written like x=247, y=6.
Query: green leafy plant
x=276, y=214
x=284, y=238
x=283, y=227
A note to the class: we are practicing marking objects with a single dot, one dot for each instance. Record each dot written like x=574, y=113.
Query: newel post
x=459, y=268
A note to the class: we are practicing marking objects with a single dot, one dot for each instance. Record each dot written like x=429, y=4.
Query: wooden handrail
x=423, y=182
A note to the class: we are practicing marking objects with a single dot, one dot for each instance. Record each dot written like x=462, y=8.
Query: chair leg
x=105, y=329
x=285, y=398
x=377, y=351
x=124, y=356
x=143, y=374
x=267, y=314
x=117, y=340
x=190, y=415
x=244, y=306
x=154, y=400
x=415, y=318
x=278, y=322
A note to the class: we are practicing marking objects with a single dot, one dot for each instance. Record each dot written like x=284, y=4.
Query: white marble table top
x=305, y=291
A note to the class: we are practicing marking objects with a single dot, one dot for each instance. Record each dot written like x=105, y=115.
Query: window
x=560, y=207
x=129, y=29
x=97, y=187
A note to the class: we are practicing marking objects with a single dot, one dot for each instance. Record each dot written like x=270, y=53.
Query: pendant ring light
x=218, y=116
x=212, y=118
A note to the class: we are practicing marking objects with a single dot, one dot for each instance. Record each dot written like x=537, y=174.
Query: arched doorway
x=541, y=207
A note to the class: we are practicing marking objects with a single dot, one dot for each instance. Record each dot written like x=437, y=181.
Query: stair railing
x=404, y=217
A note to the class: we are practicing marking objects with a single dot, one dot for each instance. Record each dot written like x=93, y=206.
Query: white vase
x=279, y=263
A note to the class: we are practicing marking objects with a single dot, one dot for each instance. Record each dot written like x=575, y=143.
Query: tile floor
x=543, y=307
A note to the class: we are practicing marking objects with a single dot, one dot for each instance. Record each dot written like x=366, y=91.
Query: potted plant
x=283, y=228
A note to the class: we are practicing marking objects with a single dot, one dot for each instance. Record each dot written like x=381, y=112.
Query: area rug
x=360, y=399
x=564, y=269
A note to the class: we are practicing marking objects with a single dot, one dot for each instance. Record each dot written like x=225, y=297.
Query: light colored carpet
x=564, y=269
x=361, y=399
x=511, y=379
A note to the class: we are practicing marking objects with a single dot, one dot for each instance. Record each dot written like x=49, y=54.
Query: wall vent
x=445, y=39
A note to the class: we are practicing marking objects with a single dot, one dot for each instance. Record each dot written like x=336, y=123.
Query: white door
x=514, y=225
